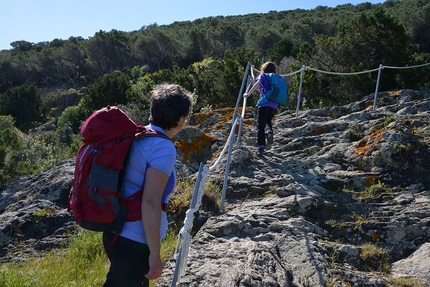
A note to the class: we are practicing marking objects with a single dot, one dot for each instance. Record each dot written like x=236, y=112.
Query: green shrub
x=10, y=144
x=111, y=89
x=6, y=122
x=22, y=155
x=49, y=104
x=34, y=157
x=70, y=121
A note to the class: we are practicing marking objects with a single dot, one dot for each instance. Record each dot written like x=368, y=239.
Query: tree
x=262, y=39
x=49, y=67
x=22, y=46
x=302, y=30
x=201, y=78
x=199, y=45
x=229, y=36
x=108, y=51
x=309, y=94
x=232, y=72
x=74, y=60
x=421, y=30
x=6, y=71
x=24, y=104
x=282, y=49
x=110, y=89
x=375, y=38
x=155, y=48
x=415, y=16
x=372, y=39
x=140, y=90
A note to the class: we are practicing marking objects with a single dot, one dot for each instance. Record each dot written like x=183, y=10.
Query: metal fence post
x=227, y=166
x=377, y=86
x=239, y=133
x=248, y=66
x=299, y=96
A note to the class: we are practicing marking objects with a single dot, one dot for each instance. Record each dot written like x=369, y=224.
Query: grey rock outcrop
x=33, y=215
x=342, y=198
x=337, y=184
x=67, y=100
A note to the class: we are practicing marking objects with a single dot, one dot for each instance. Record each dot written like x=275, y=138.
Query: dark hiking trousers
x=129, y=262
x=265, y=117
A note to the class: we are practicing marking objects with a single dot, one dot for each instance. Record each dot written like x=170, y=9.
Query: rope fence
x=379, y=69
x=184, y=236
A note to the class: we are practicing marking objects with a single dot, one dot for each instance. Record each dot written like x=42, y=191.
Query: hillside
x=342, y=198
x=343, y=38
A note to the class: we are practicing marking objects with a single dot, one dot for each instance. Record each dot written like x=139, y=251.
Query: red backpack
x=95, y=198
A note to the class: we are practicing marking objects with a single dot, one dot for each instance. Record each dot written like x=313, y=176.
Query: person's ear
x=180, y=121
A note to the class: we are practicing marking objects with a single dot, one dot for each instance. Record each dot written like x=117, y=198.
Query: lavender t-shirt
x=155, y=152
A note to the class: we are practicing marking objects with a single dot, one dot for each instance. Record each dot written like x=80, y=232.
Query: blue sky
x=45, y=20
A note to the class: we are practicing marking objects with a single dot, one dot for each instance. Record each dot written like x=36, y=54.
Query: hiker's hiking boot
x=270, y=138
x=260, y=150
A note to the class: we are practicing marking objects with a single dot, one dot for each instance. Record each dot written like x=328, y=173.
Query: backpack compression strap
x=133, y=204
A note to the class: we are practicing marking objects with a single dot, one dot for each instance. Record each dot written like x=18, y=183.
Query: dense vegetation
x=207, y=56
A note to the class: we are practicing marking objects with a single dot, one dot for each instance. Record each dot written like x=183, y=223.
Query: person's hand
x=155, y=267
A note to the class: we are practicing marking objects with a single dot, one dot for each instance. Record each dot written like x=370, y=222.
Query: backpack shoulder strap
x=144, y=132
x=141, y=133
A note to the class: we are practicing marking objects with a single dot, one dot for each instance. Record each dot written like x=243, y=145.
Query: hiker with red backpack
x=135, y=254
x=267, y=105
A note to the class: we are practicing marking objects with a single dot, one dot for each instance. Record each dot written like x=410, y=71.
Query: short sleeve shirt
x=154, y=152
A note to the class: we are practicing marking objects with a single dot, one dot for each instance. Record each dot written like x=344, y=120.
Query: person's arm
x=253, y=88
x=155, y=182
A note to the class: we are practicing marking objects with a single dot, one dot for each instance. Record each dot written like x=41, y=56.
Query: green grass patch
x=81, y=263
x=375, y=258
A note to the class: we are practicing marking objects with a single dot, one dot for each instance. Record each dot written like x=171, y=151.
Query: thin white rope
x=344, y=74
x=242, y=116
x=291, y=74
x=283, y=75
x=185, y=231
x=407, y=67
x=252, y=71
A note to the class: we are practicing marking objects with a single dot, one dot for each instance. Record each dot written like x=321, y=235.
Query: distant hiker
x=135, y=254
x=266, y=109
